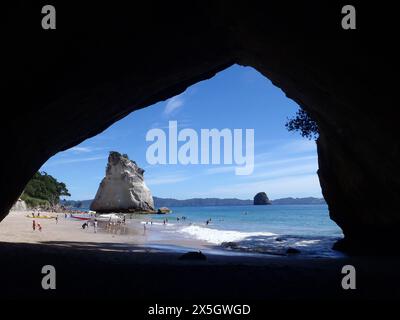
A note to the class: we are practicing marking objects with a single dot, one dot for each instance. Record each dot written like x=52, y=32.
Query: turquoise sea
x=270, y=229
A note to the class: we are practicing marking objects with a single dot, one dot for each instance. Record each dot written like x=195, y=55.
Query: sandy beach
x=17, y=228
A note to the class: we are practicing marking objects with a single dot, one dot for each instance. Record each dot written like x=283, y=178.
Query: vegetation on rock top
x=43, y=190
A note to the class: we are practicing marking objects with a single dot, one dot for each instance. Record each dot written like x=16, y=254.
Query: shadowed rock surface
x=139, y=273
x=260, y=199
x=193, y=255
x=123, y=189
x=66, y=85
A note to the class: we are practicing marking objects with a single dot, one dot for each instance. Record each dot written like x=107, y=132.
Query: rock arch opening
x=235, y=100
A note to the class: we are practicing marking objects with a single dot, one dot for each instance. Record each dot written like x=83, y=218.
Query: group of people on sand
x=36, y=225
x=37, y=214
x=115, y=227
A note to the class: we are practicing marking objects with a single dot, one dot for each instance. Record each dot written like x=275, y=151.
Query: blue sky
x=238, y=97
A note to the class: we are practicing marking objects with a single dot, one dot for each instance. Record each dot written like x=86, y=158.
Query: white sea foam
x=304, y=243
x=216, y=236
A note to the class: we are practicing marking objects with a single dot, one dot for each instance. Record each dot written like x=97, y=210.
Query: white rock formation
x=19, y=205
x=123, y=189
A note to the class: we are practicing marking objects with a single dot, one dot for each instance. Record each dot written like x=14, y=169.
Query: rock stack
x=123, y=188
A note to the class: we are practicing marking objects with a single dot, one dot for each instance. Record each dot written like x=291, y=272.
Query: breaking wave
x=264, y=242
x=216, y=236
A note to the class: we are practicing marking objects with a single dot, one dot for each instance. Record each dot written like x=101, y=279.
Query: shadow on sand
x=121, y=271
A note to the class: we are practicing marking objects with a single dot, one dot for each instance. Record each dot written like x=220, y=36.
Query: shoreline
x=173, y=236
x=145, y=231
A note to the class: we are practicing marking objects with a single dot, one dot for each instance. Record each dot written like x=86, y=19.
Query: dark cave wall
x=339, y=78
x=66, y=85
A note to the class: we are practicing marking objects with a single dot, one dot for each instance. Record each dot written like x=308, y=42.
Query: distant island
x=261, y=199
x=203, y=202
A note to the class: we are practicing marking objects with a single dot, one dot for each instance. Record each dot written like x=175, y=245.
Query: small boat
x=81, y=216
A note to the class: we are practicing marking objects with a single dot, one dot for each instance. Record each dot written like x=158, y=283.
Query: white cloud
x=288, y=169
x=173, y=104
x=309, y=160
x=285, y=161
x=80, y=149
x=182, y=123
x=167, y=179
x=299, y=186
x=309, y=168
x=217, y=170
x=290, y=148
x=298, y=146
x=66, y=161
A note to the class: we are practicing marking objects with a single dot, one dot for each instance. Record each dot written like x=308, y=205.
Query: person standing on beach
x=39, y=227
x=34, y=225
x=144, y=229
x=95, y=225
x=56, y=219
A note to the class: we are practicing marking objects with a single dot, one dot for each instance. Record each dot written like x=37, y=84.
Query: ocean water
x=258, y=229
